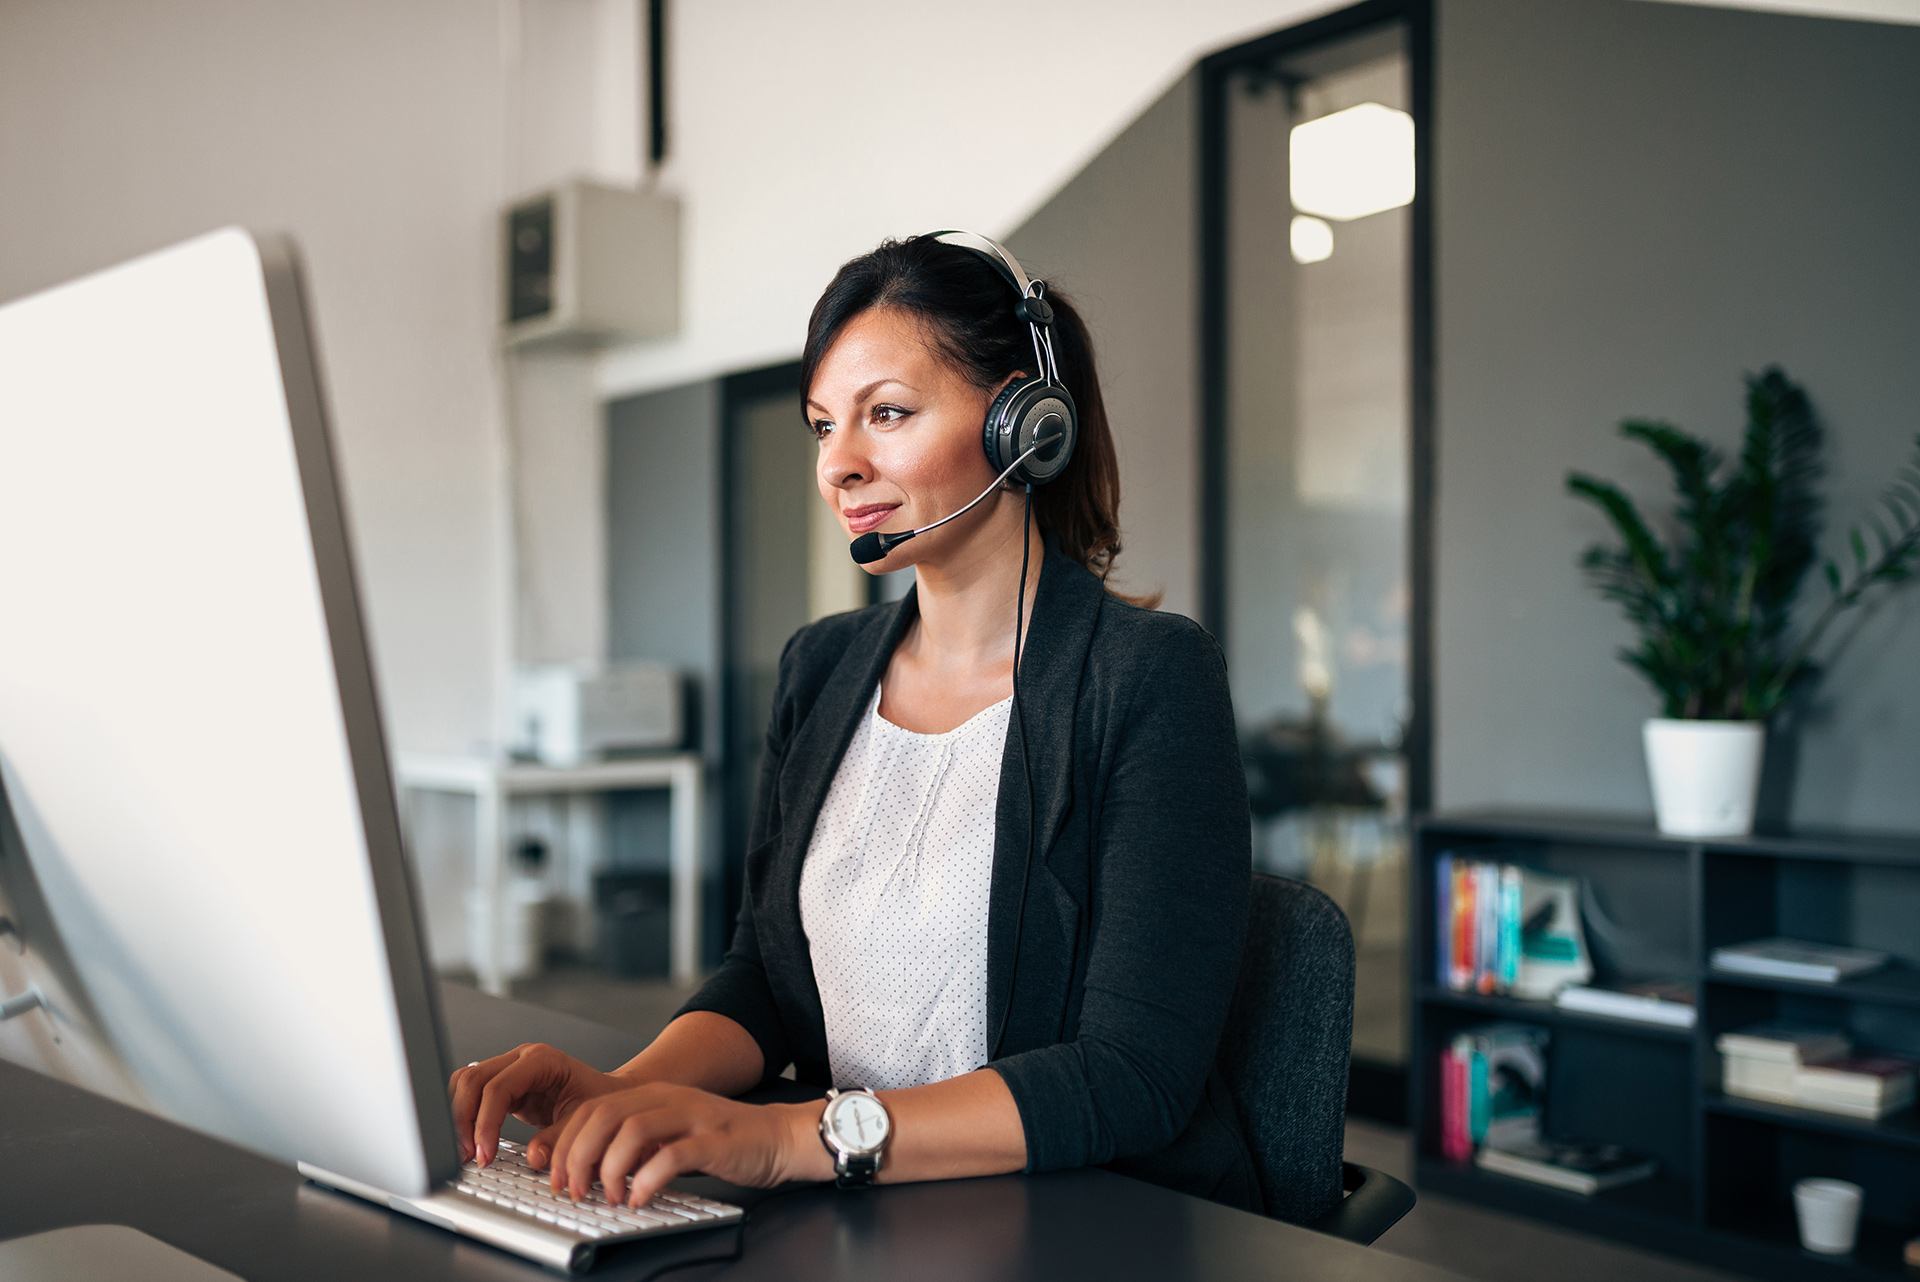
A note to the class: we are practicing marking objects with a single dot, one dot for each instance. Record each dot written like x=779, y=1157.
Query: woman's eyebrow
x=867, y=391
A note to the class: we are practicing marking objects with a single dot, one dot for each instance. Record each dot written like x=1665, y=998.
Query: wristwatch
x=855, y=1128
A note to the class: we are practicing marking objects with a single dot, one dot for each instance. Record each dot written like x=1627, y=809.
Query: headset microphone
x=871, y=547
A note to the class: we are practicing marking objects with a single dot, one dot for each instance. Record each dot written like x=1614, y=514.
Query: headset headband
x=996, y=255
x=1032, y=307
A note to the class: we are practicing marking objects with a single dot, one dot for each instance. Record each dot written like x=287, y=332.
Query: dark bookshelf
x=1723, y=1194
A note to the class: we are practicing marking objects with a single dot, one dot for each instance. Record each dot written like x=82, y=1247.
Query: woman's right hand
x=536, y=1083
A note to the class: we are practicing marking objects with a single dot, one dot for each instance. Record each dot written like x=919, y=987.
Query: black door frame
x=1375, y=1090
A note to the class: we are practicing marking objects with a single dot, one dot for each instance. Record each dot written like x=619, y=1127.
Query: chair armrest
x=1374, y=1203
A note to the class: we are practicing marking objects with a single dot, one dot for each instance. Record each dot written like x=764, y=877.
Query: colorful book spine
x=1486, y=926
x=1456, y=1134
x=1509, y=926
x=1479, y=1106
x=1463, y=909
x=1476, y=924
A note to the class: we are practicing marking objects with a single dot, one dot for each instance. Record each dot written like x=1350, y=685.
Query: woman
x=1018, y=921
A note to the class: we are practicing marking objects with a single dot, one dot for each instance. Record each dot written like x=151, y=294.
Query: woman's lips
x=871, y=516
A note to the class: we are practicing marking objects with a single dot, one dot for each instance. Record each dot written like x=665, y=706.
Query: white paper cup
x=1829, y=1215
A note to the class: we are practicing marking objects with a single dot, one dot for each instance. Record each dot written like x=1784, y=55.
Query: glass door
x=1312, y=432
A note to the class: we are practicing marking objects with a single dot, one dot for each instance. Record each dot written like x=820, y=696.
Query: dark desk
x=73, y=1158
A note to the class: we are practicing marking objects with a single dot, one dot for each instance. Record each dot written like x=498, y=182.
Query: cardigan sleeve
x=739, y=989
x=1172, y=875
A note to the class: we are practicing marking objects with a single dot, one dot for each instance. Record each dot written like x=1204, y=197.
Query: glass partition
x=1313, y=587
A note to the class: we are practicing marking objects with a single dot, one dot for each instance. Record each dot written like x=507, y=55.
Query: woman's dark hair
x=967, y=309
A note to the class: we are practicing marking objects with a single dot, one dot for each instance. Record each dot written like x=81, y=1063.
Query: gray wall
x=1635, y=203
x=1120, y=240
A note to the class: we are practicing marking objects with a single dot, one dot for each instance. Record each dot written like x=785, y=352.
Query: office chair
x=1284, y=1056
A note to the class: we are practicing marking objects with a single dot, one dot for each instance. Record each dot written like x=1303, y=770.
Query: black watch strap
x=855, y=1170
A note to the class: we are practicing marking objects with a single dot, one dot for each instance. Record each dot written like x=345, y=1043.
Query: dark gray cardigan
x=1136, y=903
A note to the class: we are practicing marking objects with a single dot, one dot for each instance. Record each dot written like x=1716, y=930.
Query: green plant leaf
x=1713, y=605
x=1644, y=551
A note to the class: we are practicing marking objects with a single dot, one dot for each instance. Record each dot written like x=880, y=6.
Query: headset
x=1028, y=411
x=1032, y=426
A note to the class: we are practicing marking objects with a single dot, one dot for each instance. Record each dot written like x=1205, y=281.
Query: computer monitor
x=207, y=912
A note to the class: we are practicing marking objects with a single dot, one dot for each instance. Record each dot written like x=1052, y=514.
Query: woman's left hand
x=636, y=1141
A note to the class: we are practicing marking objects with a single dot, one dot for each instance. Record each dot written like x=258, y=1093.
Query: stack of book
x=1797, y=959
x=1813, y=1068
x=1577, y=1168
x=1763, y=1061
x=1500, y=928
x=1864, y=1086
x=1493, y=1081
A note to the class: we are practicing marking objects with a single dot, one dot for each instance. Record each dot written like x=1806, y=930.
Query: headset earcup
x=995, y=436
x=1026, y=410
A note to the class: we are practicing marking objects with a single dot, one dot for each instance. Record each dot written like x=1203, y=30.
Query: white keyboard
x=509, y=1205
x=512, y=1185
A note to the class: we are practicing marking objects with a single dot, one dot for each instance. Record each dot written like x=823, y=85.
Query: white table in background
x=492, y=784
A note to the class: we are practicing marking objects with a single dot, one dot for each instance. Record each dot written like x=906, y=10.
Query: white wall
x=371, y=132
x=802, y=134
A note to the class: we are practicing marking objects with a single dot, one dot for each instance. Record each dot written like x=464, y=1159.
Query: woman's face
x=899, y=432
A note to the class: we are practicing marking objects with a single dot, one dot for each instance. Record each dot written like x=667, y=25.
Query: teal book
x=1506, y=1082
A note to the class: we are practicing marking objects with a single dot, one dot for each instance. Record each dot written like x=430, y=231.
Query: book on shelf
x=1492, y=1085
x=1864, y=1086
x=1577, y=1168
x=1668, y=1002
x=1797, y=959
x=1764, y=1061
x=1784, y=1042
x=1503, y=929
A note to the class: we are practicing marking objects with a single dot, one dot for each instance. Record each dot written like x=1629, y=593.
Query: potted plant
x=1714, y=607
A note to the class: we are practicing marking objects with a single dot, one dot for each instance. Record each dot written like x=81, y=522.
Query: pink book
x=1456, y=1137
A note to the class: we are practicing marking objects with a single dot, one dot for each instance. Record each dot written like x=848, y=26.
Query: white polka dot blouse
x=893, y=898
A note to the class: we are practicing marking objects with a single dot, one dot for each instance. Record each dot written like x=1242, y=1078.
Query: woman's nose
x=842, y=463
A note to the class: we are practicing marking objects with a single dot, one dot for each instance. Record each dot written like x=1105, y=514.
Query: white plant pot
x=1705, y=775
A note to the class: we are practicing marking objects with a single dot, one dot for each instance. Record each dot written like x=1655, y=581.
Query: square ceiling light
x=1352, y=163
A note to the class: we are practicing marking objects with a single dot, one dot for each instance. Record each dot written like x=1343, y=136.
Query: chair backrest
x=1285, y=1049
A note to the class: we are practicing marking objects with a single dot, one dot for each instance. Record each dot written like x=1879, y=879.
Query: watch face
x=858, y=1122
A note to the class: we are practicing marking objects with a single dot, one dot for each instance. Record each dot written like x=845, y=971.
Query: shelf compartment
x=1663, y=1197
x=1539, y=1012
x=1877, y=1253
x=1897, y=985
x=1900, y=1129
